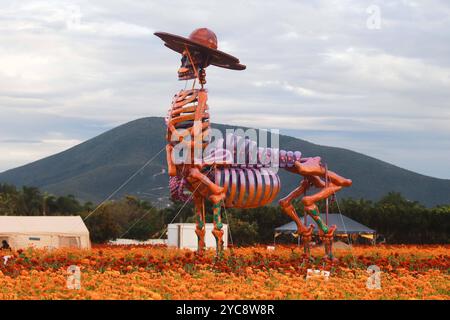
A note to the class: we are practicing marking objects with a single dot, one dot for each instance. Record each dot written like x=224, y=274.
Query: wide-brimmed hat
x=204, y=41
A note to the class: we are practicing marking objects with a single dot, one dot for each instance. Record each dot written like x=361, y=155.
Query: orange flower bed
x=157, y=272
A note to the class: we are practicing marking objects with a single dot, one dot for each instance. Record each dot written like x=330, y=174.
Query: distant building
x=346, y=227
x=44, y=232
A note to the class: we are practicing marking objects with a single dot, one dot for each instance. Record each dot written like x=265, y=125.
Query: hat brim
x=218, y=58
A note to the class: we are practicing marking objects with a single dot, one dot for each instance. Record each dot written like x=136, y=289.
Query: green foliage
x=129, y=217
x=399, y=220
x=261, y=220
x=243, y=232
x=30, y=201
x=103, y=225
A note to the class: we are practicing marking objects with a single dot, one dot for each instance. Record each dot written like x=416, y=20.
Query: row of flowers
x=284, y=259
x=407, y=272
x=433, y=284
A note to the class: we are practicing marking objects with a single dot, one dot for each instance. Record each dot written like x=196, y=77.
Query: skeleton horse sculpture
x=217, y=177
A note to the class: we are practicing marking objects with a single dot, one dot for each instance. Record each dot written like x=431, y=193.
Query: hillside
x=95, y=168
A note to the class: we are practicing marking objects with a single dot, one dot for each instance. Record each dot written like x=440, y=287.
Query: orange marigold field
x=157, y=272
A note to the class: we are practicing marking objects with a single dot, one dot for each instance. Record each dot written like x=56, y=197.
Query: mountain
x=95, y=168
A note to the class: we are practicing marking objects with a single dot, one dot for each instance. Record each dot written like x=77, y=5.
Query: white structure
x=44, y=231
x=183, y=236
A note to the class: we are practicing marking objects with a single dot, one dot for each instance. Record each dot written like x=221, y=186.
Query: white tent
x=44, y=231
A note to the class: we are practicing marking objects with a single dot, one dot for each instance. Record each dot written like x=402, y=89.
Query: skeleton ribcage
x=188, y=116
x=247, y=187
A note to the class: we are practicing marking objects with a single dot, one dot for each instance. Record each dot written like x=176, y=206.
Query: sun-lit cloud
x=314, y=70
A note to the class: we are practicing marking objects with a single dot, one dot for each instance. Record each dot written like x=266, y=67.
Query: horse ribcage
x=247, y=187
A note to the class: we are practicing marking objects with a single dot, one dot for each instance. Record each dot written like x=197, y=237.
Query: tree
x=102, y=226
x=30, y=201
x=67, y=205
x=243, y=232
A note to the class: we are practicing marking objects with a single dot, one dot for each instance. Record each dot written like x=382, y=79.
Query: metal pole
x=326, y=201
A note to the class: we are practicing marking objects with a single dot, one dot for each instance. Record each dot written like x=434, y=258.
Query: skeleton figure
x=219, y=178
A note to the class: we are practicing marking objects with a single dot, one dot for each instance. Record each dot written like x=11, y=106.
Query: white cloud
x=16, y=153
x=383, y=71
x=301, y=91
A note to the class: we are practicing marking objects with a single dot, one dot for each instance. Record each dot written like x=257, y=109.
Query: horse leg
x=216, y=196
x=312, y=167
x=289, y=210
x=217, y=231
x=325, y=233
x=200, y=222
x=313, y=170
x=217, y=193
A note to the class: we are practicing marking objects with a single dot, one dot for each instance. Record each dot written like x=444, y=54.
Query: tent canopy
x=344, y=224
x=42, y=225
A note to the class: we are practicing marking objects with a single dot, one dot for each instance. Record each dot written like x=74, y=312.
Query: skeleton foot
x=201, y=240
x=218, y=234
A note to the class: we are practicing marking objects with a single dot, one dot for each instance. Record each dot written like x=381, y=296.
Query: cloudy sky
x=371, y=76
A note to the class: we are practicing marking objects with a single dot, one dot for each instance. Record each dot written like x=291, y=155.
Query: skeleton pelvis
x=247, y=187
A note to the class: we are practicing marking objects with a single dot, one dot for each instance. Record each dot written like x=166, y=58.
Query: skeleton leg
x=217, y=192
x=313, y=170
x=216, y=195
x=200, y=222
x=171, y=168
x=312, y=167
x=289, y=210
x=326, y=233
x=324, y=193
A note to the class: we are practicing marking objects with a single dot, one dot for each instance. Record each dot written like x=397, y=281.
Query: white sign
x=374, y=280
x=73, y=277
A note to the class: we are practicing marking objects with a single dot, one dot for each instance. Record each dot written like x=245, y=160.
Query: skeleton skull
x=191, y=62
